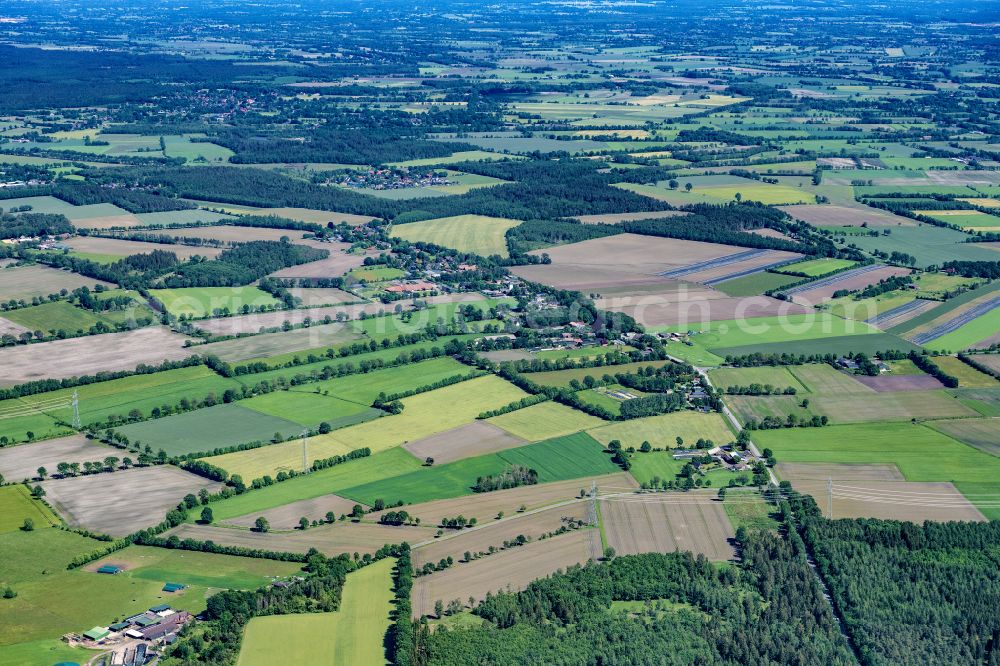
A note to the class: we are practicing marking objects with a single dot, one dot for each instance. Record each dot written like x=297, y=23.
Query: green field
x=662, y=431
x=778, y=377
x=968, y=377
x=920, y=453
x=694, y=353
x=193, y=568
x=363, y=388
x=477, y=234
x=929, y=244
x=545, y=420
x=393, y=462
x=117, y=397
x=208, y=429
x=558, y=459
x=763, y=330
x=16, y=505
x=375, y=274
x=816, y=267
x=206, y=301
x=52, y=600
x=306, y=409
x=563, y=377
x=355, y=634
x=755, y=284
x=980, y=433
x=57, y=316
x=977, y=330
x=870, y=343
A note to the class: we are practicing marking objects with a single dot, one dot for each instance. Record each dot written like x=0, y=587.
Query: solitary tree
x=261, y=524
x=357, y=511
x=206, y=515
x=28, y=525
x=303, y=523
x=42, y=473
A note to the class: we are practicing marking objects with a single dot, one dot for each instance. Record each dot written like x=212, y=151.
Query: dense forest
x=913, y=594
x=243, y=264
x=766, y=610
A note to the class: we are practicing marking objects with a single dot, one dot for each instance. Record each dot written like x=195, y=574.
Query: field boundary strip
x=958, y=322
x=751, y=271
x=712, y=263
x=833, y=279
x=905, y=308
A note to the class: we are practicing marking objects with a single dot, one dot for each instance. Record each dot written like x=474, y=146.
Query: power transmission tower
x=829, y=498
x=592, y=510
x=76, y=410
x=305, y=451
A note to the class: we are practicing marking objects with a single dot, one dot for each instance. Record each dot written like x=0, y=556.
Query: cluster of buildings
x=393, y=179
x=726, y=456
x=133, y=636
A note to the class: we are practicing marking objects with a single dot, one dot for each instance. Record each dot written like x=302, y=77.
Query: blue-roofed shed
x=109, y=569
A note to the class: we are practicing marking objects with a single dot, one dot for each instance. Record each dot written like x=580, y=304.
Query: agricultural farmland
x=299, y=342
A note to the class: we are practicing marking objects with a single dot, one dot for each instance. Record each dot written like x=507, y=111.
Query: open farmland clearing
x=271, y=344
x=473, y=439
x=122, y=502
x=331, y=540
x=844, y=216
x=207, y=429
x=852, y=280
x=486, y=506
x=125, y=248
x=455, y=543
x=286, y=517
x=920, y=453
x=980, y=433
x=477, y=234
x=208, y=301
x=511, y=569
x=22, y=462
x=75, y=357
x=27, y=282
x=544, y=420
x=968, y=376
x=354, y=634
x=394, y=462
x=423, y=415
x=667, y=522
x=17, y=505
x=855, y=496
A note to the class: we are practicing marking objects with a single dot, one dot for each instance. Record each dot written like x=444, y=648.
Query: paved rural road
x=732, y=418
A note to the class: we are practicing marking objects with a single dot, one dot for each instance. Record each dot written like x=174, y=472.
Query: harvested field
x=234, y=234
x=730, y=263
x=22, y=462
x=124, y=220
x=478, y=234
x=484, y=507
x=316, y=216
x=124, y=502
x=858, y=278
x=465, y=441
x=891, y=384
x=338, y=263
x=254, y=323
x=331, y=540
x=864, y=497
x=286, y=516
x=509, y=570
x=618, y=218
x=27, y=282
x=844, y=216
x=843, y=471
x=7, y=327
x=124, y=248
x=667, y=522
x=640, y=254
x=271, y=344
x=455, y=543
x=89, y=355
x=313, y=296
